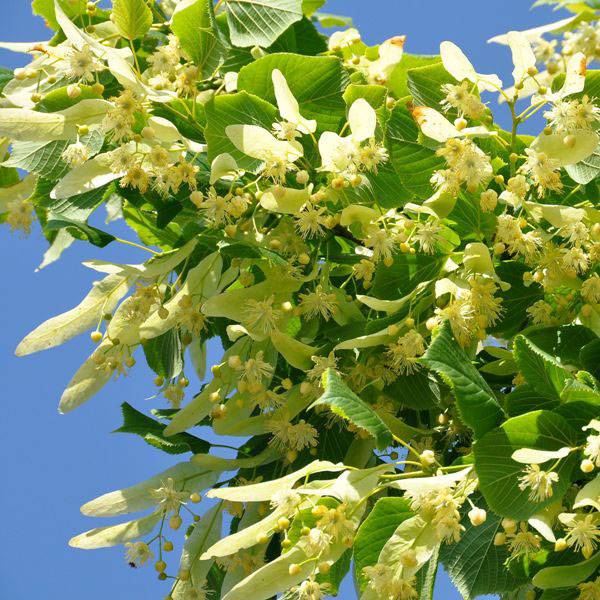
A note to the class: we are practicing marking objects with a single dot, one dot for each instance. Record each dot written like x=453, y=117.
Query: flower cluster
x=388, y=305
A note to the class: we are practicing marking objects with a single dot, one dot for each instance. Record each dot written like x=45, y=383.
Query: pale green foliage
x=406, y=295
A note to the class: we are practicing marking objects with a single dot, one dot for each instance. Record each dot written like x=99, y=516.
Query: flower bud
x=96, y=336
x=587, y=466
x=560, y=545
x=73, y=91
x=500, y=539
x=477, y=516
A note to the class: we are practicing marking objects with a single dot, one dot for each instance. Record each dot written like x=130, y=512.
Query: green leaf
x=589, y=357
x=564, y=342
x=309, y=7
x=524, y=399
x=415, y=164
x=144, y=223
x=374, y=94
x=579, y=404
x=81, y=231
x=163, y=354
x=152, y=432
x=6, y=75
x=345, y=403
x=196, y=29
x=406, y=272
x=260, y=22
x=317, y=82
x=234, y=109
x=470, y=222
x=425, y=84
x=477, y=404
x=301, y=38
x=541, y=370
x=475, y=564
x=375, y=531
x=516, y=300
x=417, y=391
x=398, y=80
x=568, y=576
x=41, y=158
x=46, y=10
x=133, y=18
x=499, y=474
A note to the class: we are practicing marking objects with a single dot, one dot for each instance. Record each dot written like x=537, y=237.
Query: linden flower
x=81, y=63
x=468, y=164
x=276, y=155
x=137, y=553
x=485, y=305
x=541, y=313
x=136, y=177
x=575, y=259
x=318, y=303
x=335, y=522
x=460, y=97
x=427, y=235
x=75, y=154
x=166, y=58
x=322, y=363
x=20, y=215
x=583, y=532
x=310, y=221
x=404, y=352
x=169, y=499
x=380, y=242
x=387, y=585
x=524, y=541
x=539, y=482
x=543, y=170
x=590, y=289
x=316, y=542
x=342, y=154
x=516, y=190
x=585, y=39
x=589, y=590
x=459, y=314
x=287, y=436
x=174, y=394
x=122, y=159
x=255, y=369
x=261, y=316
x=592, y=446
x=310, y=590
x=488, y=200
x=570, y=115
x=285, y=500
x=365, y=269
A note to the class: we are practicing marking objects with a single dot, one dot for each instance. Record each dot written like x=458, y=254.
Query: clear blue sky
x=52, y=464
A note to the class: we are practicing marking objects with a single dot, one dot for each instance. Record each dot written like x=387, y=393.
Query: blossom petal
x=460, y=67
x=289, y=109
x=257, y=142
x=586, y=141
x=522, y=54
x=362, y=120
